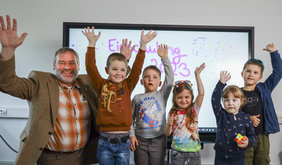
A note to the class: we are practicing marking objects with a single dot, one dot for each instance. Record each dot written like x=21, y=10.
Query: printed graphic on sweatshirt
x=252, y=100
x=185, y=134
x=148, y=111
x=111, y=95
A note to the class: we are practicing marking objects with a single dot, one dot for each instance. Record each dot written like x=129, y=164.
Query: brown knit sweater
x=114, y=111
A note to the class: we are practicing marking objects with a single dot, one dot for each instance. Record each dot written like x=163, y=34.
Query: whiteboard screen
x=221, y=48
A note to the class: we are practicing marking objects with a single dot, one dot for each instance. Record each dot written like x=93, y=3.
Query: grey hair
x=64, y=50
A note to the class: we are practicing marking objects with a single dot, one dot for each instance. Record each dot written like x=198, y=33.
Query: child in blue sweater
x=230, y=122
x=259, y=104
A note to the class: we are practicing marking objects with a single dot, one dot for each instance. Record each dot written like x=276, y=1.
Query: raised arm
x=163, y=51
x=127, y=50
x=146, y=38
x=216, y=95
x=169, y=74
x=10, y=83
x=270, y=48
x=273, y=79
x=9, y=38
x=224, y=76
x=139, y=60
x=90, y=61
x=200, y=86
x=91, y=36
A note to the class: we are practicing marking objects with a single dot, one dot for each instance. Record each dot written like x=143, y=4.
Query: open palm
x=8, y=36
x=145, y=38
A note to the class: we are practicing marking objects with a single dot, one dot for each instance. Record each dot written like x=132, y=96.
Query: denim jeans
x=113, y=154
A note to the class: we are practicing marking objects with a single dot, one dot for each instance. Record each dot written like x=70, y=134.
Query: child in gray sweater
x=147, y=138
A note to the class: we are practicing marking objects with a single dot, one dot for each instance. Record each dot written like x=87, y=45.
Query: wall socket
x=3, y=112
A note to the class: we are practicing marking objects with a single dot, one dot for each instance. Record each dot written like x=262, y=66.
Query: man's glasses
x=184, y=82
x=254, y=60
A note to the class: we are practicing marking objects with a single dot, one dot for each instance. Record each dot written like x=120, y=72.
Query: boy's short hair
x=153, y=67
x=116, y=56
x=236, y=91
x=254, y=61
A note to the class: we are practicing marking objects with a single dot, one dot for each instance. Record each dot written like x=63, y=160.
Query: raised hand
x=199, y=69
x=163, y=51
x=126, y=49
x=224, y=76
x=9, y=38
x=201, y=90
x=91, y=36
x=270, y=48
x=145, y=38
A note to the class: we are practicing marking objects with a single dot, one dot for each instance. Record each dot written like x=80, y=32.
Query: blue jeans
x=113, y=154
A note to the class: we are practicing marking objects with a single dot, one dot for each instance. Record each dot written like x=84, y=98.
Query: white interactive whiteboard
x=221, y=48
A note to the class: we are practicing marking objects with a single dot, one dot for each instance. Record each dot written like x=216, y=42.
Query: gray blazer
x=41, y=90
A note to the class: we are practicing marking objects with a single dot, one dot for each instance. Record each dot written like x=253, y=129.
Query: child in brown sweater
x=114, y=112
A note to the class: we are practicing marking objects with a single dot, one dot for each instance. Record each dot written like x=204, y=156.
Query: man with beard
x=60, y=129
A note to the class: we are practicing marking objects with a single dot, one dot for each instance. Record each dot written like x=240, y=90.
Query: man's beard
x=60, y=76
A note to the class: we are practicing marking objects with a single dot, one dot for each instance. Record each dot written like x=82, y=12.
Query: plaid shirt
x=72, y=127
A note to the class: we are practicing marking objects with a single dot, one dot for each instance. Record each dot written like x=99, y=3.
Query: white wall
x=43, y=21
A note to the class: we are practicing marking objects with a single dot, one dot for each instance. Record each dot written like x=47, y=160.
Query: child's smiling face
x=251, y=74
x=117, y=71
x=183, y=99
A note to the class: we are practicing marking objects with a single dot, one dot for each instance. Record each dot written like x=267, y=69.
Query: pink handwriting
x=179, y=67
